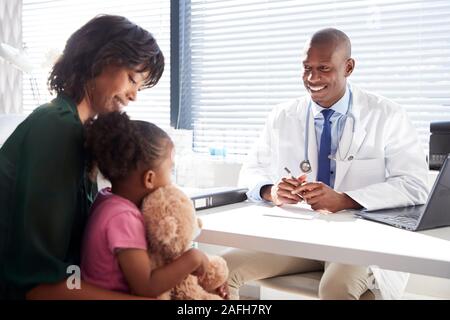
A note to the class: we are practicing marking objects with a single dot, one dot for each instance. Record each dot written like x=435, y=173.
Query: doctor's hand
x=281, y=194
x=321, y=197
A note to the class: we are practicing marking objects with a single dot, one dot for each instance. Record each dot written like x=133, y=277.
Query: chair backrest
x=8, y=123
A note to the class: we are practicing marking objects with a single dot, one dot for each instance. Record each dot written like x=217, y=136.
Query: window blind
x=47, y=24
x=245, y=59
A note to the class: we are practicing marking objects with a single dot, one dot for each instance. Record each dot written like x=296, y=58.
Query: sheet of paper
x=298, y=211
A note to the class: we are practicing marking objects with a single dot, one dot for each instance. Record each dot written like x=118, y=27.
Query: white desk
x=333, y=237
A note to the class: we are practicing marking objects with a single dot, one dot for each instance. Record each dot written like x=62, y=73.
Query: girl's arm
x=59, y=291
x=143, y=281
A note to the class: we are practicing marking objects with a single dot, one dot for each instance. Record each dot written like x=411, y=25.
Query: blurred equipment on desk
x=439, y=143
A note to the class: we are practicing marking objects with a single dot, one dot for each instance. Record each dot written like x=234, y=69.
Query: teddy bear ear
x=167, y=230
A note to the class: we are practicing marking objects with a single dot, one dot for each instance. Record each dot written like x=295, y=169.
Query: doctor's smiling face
x=326, y=66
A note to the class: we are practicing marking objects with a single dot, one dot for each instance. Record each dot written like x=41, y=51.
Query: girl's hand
x=203, y=262
x=223, y=291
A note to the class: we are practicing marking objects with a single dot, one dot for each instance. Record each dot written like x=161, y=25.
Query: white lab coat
x=388, y=169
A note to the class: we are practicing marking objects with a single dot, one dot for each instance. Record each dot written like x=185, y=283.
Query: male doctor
x=350, y=149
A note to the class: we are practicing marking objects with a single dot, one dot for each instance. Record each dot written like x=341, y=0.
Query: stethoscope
x=305, y=165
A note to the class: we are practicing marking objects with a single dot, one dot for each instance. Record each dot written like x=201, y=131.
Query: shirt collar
x=341, y=106
x=68, y=104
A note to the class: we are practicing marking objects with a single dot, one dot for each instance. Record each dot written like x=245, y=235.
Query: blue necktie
x=325, y=148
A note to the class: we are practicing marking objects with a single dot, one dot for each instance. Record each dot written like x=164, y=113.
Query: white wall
x=10, y=77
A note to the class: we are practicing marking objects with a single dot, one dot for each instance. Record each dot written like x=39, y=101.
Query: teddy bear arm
x=216, y=274
x=189, y=289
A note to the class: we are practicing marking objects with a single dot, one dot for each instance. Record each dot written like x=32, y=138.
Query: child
x=137, y=158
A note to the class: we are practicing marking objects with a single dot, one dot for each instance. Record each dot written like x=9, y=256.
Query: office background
x=234, y=60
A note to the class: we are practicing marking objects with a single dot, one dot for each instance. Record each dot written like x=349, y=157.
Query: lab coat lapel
x=350, y=141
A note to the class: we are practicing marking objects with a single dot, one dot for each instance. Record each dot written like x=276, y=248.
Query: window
x=48, y=24
x=245, y=58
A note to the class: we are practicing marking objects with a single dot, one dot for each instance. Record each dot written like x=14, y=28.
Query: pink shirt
x=115, y=223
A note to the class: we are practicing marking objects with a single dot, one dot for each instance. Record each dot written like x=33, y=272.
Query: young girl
x=137, y=158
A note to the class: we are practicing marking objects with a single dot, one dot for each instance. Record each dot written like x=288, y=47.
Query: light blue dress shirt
x=337, y=128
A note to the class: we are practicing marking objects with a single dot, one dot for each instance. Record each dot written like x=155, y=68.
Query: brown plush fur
x=171, y=225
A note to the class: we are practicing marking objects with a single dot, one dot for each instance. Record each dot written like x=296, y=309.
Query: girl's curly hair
x=116, y=145
x=105, y=40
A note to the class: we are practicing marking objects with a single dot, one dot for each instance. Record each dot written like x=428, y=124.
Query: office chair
x=305, y=285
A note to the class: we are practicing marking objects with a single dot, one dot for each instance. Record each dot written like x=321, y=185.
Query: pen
x=292, y=177
x=289, y=172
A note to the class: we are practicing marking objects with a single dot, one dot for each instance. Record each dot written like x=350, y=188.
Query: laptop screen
x=437, y=211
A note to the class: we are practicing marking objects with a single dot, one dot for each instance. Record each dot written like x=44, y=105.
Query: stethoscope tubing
x=305, y=165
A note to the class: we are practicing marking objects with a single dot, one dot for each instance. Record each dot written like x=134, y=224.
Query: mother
x=45, y=192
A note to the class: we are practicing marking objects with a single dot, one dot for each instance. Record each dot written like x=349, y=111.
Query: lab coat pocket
x=367, y=171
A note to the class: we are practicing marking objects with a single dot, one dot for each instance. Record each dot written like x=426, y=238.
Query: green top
x=45, y=196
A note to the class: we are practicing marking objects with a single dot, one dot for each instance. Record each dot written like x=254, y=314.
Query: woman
x=45, y=193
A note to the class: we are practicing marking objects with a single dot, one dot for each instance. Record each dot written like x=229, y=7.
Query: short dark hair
x=117, y=145
x=105, y=40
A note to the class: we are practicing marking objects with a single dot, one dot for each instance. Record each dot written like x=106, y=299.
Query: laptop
x=435, y=213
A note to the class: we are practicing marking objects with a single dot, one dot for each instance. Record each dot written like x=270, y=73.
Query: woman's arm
x=59, y=291
x=143, y=281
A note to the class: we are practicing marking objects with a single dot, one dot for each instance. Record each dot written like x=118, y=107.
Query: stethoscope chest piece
x=305, y=166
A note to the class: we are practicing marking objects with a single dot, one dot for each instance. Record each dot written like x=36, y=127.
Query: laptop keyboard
x=409, y=220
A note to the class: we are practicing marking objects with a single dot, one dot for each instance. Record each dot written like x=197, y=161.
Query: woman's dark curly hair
x=117, y=145
x=105, y=40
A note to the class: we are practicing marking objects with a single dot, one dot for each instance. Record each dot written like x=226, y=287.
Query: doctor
x=350, y=149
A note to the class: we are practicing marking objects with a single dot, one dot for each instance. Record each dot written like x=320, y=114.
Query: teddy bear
x=171, y=225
